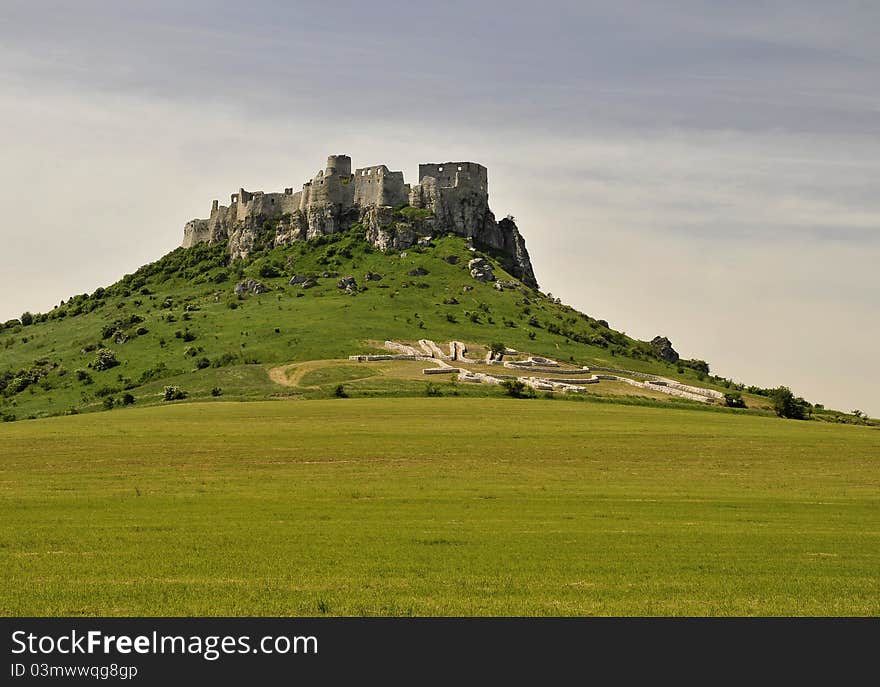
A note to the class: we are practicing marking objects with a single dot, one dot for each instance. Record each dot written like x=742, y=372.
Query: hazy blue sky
x=704, y=170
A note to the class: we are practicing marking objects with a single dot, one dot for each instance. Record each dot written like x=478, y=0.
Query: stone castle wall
x=334, y=199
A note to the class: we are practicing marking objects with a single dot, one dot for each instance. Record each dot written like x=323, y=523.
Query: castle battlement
x=334, y=199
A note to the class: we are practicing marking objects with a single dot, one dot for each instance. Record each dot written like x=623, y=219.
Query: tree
x=26, y=318
x=518, y=389
x=497, y=348
x=787, y=405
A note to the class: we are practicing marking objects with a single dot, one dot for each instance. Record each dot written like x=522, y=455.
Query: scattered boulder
x=329, y=275
x=348, y=284
x=467, y=288
x=481, y=270
x=250, y=286
x=418, y=272
x=450, y=301
x=451, y=259
x=309, y=283
x=297, y=279
x=426, y=242
x=664, y=350
x=372, y=276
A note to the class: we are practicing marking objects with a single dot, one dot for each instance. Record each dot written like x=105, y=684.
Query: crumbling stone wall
x=456, y=193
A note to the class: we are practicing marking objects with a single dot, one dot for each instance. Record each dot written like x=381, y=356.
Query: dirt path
x=291, y=373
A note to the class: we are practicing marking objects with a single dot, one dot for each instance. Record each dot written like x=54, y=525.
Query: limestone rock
x=372, y=276
x=297, y=279
x=348, y=284
x=481, y=270
x=250, y=286
x=664, y=350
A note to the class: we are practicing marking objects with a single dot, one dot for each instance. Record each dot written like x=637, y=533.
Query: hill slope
x=179, y=321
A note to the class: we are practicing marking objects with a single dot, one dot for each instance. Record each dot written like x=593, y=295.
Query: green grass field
x=437, y=506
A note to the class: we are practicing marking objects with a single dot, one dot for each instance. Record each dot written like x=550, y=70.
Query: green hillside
x=371, y=488
x=178, y=322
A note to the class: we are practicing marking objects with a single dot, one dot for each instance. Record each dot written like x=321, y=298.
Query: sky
x=701, y=170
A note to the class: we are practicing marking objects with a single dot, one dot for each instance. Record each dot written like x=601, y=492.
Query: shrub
x=497, y=348
x=698, y=365
x=203, y=363
x=268, y=270
x=105, y=360
x=26, y=318
x=518, y=389
x=83, y=376
x=152, y=373
x=415, y=214
x=174, y=393
x=734, y=399
x=339, y=391
x=216, y=391
x=432, y=390
x=225, y=360
x=109, y=403
x=127, y=399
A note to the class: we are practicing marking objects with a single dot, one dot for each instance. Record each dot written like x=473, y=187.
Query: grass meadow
x=437, y=506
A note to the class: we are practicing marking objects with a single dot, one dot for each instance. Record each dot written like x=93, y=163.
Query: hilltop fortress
x=450, y=197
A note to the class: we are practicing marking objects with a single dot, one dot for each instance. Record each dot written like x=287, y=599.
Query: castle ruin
x=454, y=196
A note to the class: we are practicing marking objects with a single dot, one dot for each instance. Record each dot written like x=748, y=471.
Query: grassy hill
x=178, y=322
x=370, y=498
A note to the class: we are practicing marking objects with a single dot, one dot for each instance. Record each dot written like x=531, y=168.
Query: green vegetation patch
x=436, y=506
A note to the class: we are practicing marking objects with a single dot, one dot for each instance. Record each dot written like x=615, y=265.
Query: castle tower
x=338, y=166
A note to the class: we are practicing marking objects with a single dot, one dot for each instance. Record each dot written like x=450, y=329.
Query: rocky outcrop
x=481, y=270
x=347, y=284
x=250, y=286
x=664, y=350
x=388, y=232
x=450, y=197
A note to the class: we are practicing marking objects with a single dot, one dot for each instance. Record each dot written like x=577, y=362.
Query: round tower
x=338, y=165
